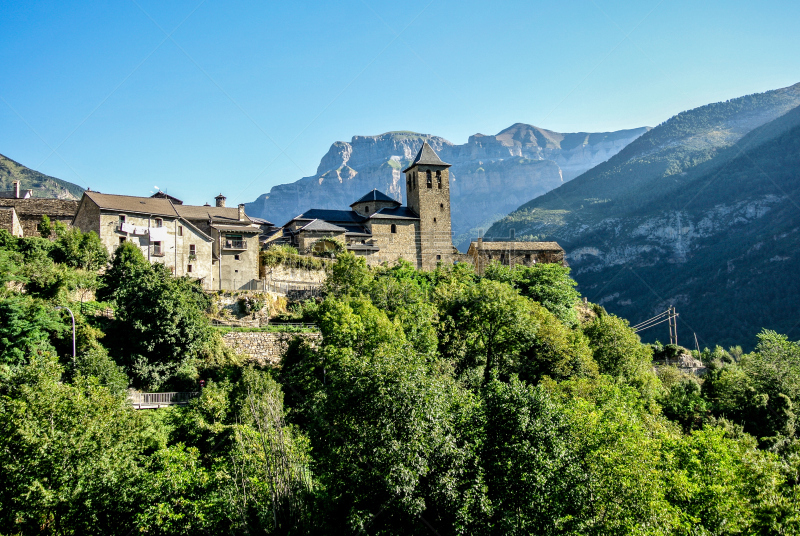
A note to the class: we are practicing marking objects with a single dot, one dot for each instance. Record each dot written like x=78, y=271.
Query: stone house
x=379, y=227
x=188, y=240
x=20, y=213
x=513, y=253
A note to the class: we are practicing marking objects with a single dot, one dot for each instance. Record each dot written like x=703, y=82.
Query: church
x=379, y=227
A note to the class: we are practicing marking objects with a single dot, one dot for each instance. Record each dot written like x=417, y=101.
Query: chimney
x=16, y=189
x=220, y=200
x=242, y=217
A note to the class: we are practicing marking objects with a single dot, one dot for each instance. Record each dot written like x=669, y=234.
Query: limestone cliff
x=490, y=174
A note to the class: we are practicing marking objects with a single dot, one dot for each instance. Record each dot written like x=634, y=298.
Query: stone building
x=216, y=245
x=379, y=227
x=513, y=253
x=20, y=214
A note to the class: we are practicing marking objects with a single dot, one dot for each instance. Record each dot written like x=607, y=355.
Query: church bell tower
x=428, y=195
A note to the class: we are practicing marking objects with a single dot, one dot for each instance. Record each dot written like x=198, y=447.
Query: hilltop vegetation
x=41, y=184
x=700, y=212
x=437, y=401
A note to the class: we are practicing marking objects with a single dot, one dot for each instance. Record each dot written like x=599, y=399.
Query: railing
x=158, y=400
x=235, y=244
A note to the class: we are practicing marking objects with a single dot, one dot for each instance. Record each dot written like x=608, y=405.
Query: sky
x=201, y=97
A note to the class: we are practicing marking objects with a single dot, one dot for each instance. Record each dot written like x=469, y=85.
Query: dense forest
x=436, y=403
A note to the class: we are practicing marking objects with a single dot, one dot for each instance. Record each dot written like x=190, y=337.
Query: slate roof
x=37, y=206
x=518, y=246
x=376, y=195
x=162, y=195
x=323, y=226
x=260, y=221
x=127, y=203
x=397, y=213
x=427, y=157
x=218, y=214
x=335, y=216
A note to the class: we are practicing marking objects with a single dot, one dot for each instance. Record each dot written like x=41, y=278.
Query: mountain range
x=41, y=184
x=489, y=174
x=702, y=212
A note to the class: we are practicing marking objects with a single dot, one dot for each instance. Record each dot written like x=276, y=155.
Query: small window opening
x=192, y=249
x=180, y=230
x=159, y=222
x=236, y=257
x=429, y=179
x=438, y=257
x=189, y=269
x=441, y=206
x=366, y=209
x=434, y=220
x=439, y=179
x=156, y=248
x=121, y=219
x=394, y=228
x=122, y=239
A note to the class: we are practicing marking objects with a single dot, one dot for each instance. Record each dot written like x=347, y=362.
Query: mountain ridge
x=41, y=184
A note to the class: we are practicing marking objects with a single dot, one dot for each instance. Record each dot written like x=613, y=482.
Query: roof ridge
x=426, y=156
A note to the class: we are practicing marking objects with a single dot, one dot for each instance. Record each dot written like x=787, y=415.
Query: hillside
x=41, y=184
x=700, y=212
x=490, y=174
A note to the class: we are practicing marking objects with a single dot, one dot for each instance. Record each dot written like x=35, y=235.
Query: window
x=122, y=239
x=180, y=230
x=434, y=220
x=192, y=249
x=527, y=257
x=438, y=257
x=156, y=248
x=429, y=179
x=121, y=219
x=366, y=208
x=394, y=228
x=159, y=222
x=189, y=269
x=441, y=206
x=439, y=179
x=236, y=257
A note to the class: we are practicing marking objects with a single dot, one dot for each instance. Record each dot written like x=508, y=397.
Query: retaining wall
x=262, y=347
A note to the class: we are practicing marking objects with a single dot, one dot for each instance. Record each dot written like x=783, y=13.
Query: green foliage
x=26, y=328
x=289, y=257
x=349, y=275
x=44, y=227
x=80, y=250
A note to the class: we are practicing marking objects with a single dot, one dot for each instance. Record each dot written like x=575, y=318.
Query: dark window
x=189, y=268
x=159, y=222
x=156, y=248
x=122, y=239
x=441, y=206
x=394, y=228
x=527, y=256
x=434, y=220
x=121, y=219
x=236, y=257
x=180, y=230
x=438, y=257
x=429, y=179
x=366, y=208
x=439, y=179
x=192, y=249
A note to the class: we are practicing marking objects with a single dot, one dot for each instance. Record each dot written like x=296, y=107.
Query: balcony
x=235, y=244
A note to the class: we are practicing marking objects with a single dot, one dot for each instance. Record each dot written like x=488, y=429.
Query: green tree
x=80, y=250
x=44, y=227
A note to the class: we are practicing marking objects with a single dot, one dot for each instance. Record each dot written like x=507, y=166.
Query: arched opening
x=394, y=228
x=366, y=209
x=434, y=220
x=430, y=178
x=439, y=179
x=441, y=206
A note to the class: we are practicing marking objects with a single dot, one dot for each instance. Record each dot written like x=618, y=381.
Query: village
x=221, y=246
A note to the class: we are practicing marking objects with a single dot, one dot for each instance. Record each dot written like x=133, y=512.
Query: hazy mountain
x=41, y=184
x=701, y=212
x=490, y=174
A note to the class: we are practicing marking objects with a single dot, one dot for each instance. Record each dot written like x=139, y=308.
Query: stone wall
x=294, y=275
x=30, y=212
x=265, y=348
x=9, y=221
x=403, y=243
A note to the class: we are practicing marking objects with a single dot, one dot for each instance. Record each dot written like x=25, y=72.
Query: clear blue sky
x=202, y=97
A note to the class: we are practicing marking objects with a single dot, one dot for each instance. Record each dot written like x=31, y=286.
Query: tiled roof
x=237, y=228
x=427, y=157
x=518, y=246
x=128, y=203
x=218, y=214
x=397, y=213
x=376, y=195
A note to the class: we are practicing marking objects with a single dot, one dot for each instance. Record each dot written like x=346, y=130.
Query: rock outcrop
x=490, y=175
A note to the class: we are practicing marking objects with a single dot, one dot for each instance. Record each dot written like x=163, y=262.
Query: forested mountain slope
x=675, y=219
x=41, y=184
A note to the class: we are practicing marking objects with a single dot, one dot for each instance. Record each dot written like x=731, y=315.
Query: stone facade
x=30, y=211
x=395, y=239
x=9, y=221
x=514, y=253
x=263, y=347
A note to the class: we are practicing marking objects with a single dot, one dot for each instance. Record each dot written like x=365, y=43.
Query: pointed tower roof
x=427, y=157
x=376, y=195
